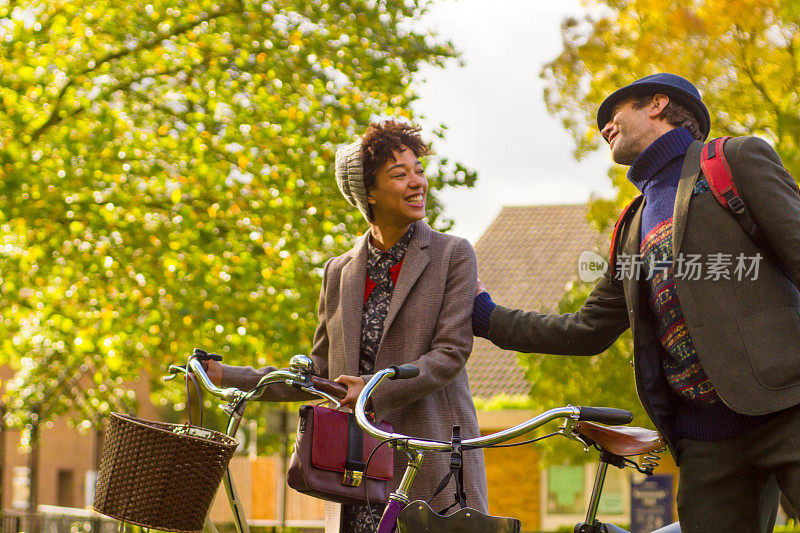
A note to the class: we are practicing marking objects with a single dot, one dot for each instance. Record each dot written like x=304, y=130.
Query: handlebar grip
x=406, y=371
x=205, y=356
x=605, y=415
x=337, y=390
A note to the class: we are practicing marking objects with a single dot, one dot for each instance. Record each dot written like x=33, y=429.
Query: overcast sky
x=495, y=112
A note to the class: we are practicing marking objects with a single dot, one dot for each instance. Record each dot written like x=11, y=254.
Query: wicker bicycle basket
x=158, y=475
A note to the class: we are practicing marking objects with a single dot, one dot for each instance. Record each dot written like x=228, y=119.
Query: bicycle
x=616, y=445
x=298, y=375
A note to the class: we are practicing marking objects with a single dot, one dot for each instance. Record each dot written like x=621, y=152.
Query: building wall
x=64, y=449
x=514, y=482
x=512, y=474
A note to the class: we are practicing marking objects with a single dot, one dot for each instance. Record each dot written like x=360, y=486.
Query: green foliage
x=741, y=55
x=166, y=179
x=504, y=401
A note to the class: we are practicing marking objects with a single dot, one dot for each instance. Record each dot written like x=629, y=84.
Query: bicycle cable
x=473, y=447
x=250, y=394
x=396, y=439
x=243, y=399
x=366, y=466
x=369, y=459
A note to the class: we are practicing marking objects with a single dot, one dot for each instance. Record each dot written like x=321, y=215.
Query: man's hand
x=354, y=386
x=481, y=288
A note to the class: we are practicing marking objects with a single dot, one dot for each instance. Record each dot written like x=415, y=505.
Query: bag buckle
x=352, y=478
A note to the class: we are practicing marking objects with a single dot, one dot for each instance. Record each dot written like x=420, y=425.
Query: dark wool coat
x=429, y=325
x=747, y=333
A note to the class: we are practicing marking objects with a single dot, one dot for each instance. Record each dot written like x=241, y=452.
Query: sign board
x=651, y=503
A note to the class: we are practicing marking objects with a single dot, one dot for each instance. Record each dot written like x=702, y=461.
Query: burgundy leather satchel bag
x=330, y=455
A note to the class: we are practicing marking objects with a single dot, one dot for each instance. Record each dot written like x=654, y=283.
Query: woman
x=402, y=294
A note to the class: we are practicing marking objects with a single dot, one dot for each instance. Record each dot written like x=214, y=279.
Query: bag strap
x=612, y=255
x=456, y=472
x=720, y=180
x=354, y=465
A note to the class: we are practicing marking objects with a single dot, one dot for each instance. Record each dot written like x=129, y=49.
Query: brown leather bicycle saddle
x=620, y=440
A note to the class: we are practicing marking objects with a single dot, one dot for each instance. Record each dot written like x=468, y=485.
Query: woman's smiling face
x=398, y=195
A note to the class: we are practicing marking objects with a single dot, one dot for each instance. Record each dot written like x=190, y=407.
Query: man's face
x=628, y=132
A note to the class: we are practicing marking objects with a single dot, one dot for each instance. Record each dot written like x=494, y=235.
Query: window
x=565, y=489
x=65, y=488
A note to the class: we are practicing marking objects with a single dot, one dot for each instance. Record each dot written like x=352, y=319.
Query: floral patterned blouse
x=382, y=270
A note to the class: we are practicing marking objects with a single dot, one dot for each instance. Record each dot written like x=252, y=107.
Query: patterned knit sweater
x=699, y=413
x=681, y=365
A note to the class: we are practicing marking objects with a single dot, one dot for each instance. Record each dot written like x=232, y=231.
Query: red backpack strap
x=720, y=180
x=612, y=255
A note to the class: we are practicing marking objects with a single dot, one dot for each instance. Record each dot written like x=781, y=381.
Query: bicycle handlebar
x=605, y=415
x=404, y=371
x=597, y=414
x=324, y=388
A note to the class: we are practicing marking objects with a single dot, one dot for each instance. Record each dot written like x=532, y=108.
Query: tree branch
x=158, y=39
x=55, y=117
x=749, y=66
x=791, y=48
x=152, y=43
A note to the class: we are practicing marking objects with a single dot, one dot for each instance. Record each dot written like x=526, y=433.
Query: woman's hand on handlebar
x=214, y=372
x=354, y=386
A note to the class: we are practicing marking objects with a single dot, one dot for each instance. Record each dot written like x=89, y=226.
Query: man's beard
x=625, y=153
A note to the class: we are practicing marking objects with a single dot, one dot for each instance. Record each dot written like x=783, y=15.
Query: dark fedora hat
x=671, y=85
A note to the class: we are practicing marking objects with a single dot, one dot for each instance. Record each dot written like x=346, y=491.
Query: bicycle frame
x=412, y=447
x=591, y=524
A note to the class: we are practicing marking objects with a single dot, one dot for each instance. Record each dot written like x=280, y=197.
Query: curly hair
x=675, y=114
x=382, y=140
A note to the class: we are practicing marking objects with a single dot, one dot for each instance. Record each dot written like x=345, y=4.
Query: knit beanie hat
x=350, y=177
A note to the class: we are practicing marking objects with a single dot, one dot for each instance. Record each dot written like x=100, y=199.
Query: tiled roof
x=526, y=257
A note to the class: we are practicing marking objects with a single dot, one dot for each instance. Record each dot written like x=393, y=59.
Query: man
x=716, y=354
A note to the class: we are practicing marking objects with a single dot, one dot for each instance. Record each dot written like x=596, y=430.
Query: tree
x=166, y=179
x=743, y=57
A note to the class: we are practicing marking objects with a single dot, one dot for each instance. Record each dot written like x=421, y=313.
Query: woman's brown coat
x=429, y=325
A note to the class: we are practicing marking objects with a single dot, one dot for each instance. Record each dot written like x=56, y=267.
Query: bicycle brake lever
x=173, y=370
x=325, y=395
x=568, y=430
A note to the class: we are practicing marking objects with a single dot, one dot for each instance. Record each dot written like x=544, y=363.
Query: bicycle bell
x=302, y=364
